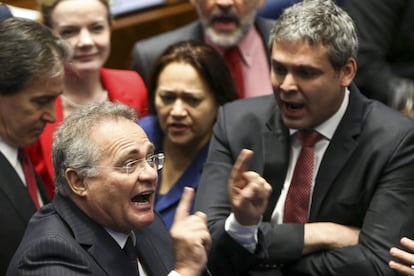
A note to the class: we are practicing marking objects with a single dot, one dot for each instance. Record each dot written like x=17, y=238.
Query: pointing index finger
x=184, y=207
x=241, y=165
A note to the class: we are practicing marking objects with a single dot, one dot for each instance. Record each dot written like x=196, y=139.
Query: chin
x=224, y=40
x=29, y=141
x=144, y=221
x=87, y=66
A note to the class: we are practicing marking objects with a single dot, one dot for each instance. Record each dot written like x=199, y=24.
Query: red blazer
x=124, y=86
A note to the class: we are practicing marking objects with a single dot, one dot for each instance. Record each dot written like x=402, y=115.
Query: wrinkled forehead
x=118, y=134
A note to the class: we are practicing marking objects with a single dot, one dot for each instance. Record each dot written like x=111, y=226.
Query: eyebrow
x=181, y=91
x=294, y=66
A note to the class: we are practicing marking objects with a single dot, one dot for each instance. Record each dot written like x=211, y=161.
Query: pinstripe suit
x=62, y=240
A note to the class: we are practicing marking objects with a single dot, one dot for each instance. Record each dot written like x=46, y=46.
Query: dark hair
x=209, y=64
x=46, y=8
x=29, y=52
x=318, y=21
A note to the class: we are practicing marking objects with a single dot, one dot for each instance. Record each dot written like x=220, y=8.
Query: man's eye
x=42, y=101
x=279, y=70
x=130, y=165
x=307, y=73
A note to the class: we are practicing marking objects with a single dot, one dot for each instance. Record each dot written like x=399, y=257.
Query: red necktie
x=30, y=177
x=233, y=59
x=298, y=197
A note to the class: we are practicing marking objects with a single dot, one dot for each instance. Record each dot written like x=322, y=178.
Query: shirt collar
x=121, y=238
x=9, y=152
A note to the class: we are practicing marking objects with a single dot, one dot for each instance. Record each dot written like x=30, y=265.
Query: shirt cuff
x=244, y=235
x=174, y=273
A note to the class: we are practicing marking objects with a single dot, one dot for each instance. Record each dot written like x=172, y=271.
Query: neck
x=83, y=86
x=82, y=89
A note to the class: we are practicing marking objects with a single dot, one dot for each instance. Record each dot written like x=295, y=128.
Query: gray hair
x=72, y=145
x=29, y=52
x=319, y=21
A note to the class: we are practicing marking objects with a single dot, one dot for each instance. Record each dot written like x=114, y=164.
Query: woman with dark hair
x=189, y=82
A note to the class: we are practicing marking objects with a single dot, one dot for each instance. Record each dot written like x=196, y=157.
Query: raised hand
x=191, y=237
x=249, y=192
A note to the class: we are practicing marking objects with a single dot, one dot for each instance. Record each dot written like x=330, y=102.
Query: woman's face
x=185, y=105
x=85, y=25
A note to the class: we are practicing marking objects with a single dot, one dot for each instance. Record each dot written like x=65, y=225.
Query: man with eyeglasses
x=102, y=220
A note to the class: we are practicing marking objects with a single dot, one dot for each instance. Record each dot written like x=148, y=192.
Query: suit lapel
x=42, y=189
x=15, y=190
x=196, y=32
x=110, y=256
x=148, y=257
x=93, y=238
x=340, y=148
x=276, y=154
x=155, y=249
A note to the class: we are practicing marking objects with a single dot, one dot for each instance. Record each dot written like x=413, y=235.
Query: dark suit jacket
x=366, y=180
x=16, y=208
x=386, y=52
x=62, y=240
x=145, y=52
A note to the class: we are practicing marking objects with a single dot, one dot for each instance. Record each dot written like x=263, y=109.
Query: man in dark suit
x=31, y=77
x=386, y=55
x=223, y=25
x=102, y=220
x=357, y=197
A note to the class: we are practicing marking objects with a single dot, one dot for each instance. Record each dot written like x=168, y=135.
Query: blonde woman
x=86, y=25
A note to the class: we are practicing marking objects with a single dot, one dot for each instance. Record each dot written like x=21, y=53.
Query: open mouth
x=176, y=127
x=225, y=19
x=294, y=106
x=225, y=23
x=142, y=198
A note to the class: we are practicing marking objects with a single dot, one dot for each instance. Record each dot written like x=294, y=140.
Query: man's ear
x=76, y=182
x=348, y=72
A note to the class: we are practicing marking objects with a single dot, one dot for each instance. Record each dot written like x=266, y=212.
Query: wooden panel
x=128, y=29
x=28, y=4
x=131, y=28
